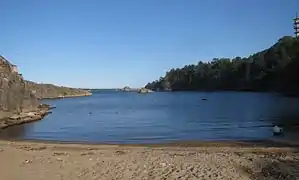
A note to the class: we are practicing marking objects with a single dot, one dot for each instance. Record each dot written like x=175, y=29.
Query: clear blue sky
x=106, y=44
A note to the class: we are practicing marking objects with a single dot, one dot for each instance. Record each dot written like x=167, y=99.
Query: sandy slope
x=35, y=161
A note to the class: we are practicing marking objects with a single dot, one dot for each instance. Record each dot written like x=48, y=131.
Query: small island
x=142, y=90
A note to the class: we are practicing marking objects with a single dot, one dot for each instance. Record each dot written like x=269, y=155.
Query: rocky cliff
x=19, y=99
x=14, y=97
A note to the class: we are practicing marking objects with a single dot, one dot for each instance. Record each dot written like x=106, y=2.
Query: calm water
x=117, y=117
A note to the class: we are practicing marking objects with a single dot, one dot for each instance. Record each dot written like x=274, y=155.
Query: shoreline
x=215, y=146
x=179, y=144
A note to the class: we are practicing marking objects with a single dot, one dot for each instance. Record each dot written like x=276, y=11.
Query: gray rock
x=144, y=90
x=19, y=99
x=14, y=97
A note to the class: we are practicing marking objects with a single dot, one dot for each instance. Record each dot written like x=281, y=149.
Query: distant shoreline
x=67, y=96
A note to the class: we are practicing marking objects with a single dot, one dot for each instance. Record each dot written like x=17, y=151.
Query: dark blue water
x=118, y=117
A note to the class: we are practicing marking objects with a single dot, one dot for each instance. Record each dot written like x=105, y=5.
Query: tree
x=273, y=69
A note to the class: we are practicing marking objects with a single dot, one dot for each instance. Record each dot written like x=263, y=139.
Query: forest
x=272, y=70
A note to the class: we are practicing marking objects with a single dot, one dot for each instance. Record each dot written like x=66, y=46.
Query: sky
x=117, y=43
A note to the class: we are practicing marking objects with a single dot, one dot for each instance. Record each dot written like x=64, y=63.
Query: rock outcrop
x=19, y=99
x=25, y=117
x=144, y=90
x=138, y=90
x=50, y=91
x=127, y=89
x=14, y=97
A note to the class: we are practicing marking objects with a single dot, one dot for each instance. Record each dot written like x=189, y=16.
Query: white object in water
x=277, y=130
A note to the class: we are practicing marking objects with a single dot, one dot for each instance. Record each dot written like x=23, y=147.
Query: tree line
x=274, y=69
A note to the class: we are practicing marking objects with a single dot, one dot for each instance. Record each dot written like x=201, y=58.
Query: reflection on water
x=116, y=117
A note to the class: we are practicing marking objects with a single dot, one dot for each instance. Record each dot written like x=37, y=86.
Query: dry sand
x=50, y=161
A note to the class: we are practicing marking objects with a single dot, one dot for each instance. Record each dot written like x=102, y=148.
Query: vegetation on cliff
x=274, y=69
x=45, y=91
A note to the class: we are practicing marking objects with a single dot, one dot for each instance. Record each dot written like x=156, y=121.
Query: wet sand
x=48, y=160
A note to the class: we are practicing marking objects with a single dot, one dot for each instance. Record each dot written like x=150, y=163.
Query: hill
x=273, y=69
x=50, y=91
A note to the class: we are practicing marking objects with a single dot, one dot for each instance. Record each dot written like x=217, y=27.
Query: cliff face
x=49, y=91
x=14, y=97
x=19, y=98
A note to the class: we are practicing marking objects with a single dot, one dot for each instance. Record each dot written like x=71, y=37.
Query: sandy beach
x=53, y=161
